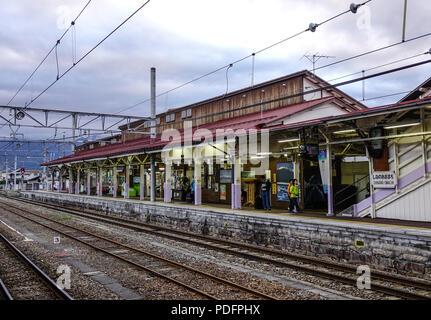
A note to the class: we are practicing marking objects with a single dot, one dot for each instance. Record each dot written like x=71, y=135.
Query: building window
x=170, y=117
x=186, y=113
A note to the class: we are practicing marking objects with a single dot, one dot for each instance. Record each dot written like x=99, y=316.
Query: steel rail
x=165, y=260
x=159, y=230
x=4, y=291
x=51, y=284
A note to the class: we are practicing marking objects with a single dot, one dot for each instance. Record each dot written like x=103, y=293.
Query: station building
x=348, y=159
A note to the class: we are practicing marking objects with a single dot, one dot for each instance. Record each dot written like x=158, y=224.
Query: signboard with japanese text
x=384, y=180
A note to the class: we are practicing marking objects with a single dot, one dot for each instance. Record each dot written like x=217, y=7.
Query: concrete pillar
x=70, y=180
x=115, y=182
x=127, y=182
x=100, y=182
x=371, y=168
x=236, y=186
x=78, y=181
x=424, y=143
x=141, y=182
x=153, y=178
x=52, y=179
x=60, y=188
x=329, y=182
x=168, y=183
x=88, y=181
x=198, y=182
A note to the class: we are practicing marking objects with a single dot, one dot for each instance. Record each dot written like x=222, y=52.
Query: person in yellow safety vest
x=288, y=194
x=294, y=195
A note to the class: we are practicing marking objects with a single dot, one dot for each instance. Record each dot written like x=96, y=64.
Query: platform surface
x=378, y=224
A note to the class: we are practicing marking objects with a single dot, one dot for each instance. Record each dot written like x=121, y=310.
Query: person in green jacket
x=294, y=195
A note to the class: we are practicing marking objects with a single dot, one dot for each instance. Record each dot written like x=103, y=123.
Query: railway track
x=4, y=292
x=387, y=283
x=182, y=275
x=24, y=280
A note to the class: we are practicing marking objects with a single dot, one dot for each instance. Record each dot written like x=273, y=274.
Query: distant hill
x=30, y=155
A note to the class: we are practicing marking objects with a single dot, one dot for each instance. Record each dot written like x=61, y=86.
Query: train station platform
x=402, y=246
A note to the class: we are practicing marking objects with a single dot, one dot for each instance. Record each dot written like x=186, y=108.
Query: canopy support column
x=198, y=182
x=70, y=180
x=88, y=181
x=168, y=183
x=78, y=181
x=329, y=182
x=100, y=182
x=141, y=182
x=115, y=182
x=127, y=182
x=153, y=178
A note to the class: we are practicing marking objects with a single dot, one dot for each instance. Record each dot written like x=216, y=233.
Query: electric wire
x=88, y=53
x=240, y=60
x=48, y=54
x=318, y=68
x=279, y=99
x=331, y=86
x=374, y=51
x=380, y=66
x=82, y=58
x=387, y=96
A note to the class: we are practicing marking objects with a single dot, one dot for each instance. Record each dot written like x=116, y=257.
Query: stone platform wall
x=385, y=247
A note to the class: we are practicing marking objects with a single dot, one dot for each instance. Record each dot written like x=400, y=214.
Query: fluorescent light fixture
x=291, y=148
x=403, y=125
x=264, y=153
x=257, y=157
x=288, y=140
x=345, y=131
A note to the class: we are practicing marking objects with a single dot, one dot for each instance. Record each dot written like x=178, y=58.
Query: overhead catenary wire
x=252, y=55
x=374, y=51
x=49, y=53
x=83, y=57
x=380, y=66
x=286, y=97
x=387, y=95
x=331, y=86
x=318, y=68
x=87, y=53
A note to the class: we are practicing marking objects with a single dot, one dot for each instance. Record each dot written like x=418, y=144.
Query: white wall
x=313, y=96
x=324, y=110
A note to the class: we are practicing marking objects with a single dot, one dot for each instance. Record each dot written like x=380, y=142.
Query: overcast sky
x=185, y=39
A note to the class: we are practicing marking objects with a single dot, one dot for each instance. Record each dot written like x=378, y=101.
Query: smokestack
x=153, y=102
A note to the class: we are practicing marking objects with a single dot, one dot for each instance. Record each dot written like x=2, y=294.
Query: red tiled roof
x=353, y=114
x=249, y=121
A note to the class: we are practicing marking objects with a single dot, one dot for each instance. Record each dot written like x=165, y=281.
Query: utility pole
x=253, y=55
x=7, y=176
x=14, y=174
x=153, y=134
x=404, y=21
x=64, y=145
x=73, y=131
x=44, y=177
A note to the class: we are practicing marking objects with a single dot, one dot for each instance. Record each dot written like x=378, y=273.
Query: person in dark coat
x=266, y=193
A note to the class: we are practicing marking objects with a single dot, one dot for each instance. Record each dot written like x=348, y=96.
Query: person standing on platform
x=294, y=194
x=288, y=195
x=266, y=191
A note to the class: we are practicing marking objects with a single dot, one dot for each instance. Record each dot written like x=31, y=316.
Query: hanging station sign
x=384, y=180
